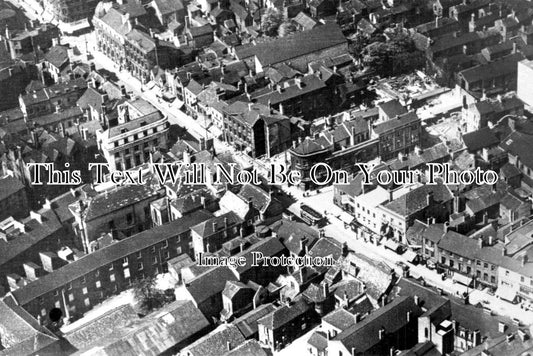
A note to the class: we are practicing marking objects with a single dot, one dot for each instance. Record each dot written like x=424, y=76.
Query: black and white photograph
x=266, y=177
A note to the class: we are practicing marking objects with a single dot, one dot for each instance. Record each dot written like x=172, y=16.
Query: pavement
x=323, y=202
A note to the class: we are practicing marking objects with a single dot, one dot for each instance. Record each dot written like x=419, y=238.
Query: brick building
x=76, y=287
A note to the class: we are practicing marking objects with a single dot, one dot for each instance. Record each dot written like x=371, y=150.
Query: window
x=83, y=279
x=112, y=277
x=97, y=273
x=139, y=254
x=84, y=290
x=56, y=293
x=98, y=284
x=70, y=297
x=140, y=266
x=124, y=261
x=165, y=244
x=167, y=255
x=69, y=286
x=126, y=273
x=111, y=267
x=153, y=249
x=155, y=260
x=87, y=302
x=179, y=250
x=58, y=304
x=129, y=218
x=43, y=312
x=522, y=279
x=485, y=265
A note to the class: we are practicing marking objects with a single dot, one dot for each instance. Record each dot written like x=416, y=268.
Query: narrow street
x=323, y=202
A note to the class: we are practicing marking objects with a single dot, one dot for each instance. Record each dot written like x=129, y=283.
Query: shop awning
x=460, y=278
x=410, y=256
x=506, y=293
x=391, y=244
x=346, y=218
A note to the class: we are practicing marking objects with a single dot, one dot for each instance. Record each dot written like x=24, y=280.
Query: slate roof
x=311, y=146
x=247, y=323
x=416, y=200
x=365, y=334
x=285, y=314
x=117, y=198
x=340, y=319
x=482, y=138
x=53, y=91
x=9, y=186
x=318, y=340
x=294, y=46
x=57, y=56
x=205, y=228
x=519, y=145
x=57, y=117
x=393, y=123
x=35, y=233
x=216, y=342
x=392, y=108
x=289, y=90
x=209, y=283
x=135, y=124
x=260, y=199
x=270, y=246
x=500, y=67
x=326, y=246
x=105, y=256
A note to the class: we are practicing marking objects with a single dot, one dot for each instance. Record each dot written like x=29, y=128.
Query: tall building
x=141, y=129
x=524, y=88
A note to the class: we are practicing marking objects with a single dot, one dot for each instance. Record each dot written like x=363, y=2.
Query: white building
x=141, y=130
x=525, y=82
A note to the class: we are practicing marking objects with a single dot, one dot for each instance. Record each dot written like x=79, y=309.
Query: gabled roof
x=499, y=67
x=392, y=317
x=392, y=108
x=205, y=228
x=519, y=145
x=285, y=314
x=259, y=198
x=105, y=256
x=294, y=46
x=482, y=138
x=340, y=318
x=118, y=198
x=247, y=323
x=395, y=122
x=210, y=283
x=168, y=6
x=57, y=56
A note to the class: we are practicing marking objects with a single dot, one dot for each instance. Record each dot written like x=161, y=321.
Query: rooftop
x=105, y=256
x=294, y=46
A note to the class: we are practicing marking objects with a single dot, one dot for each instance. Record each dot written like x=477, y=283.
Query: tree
x=148, y=297
x=286, y=28
x=270, y=21
x=398, y=55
